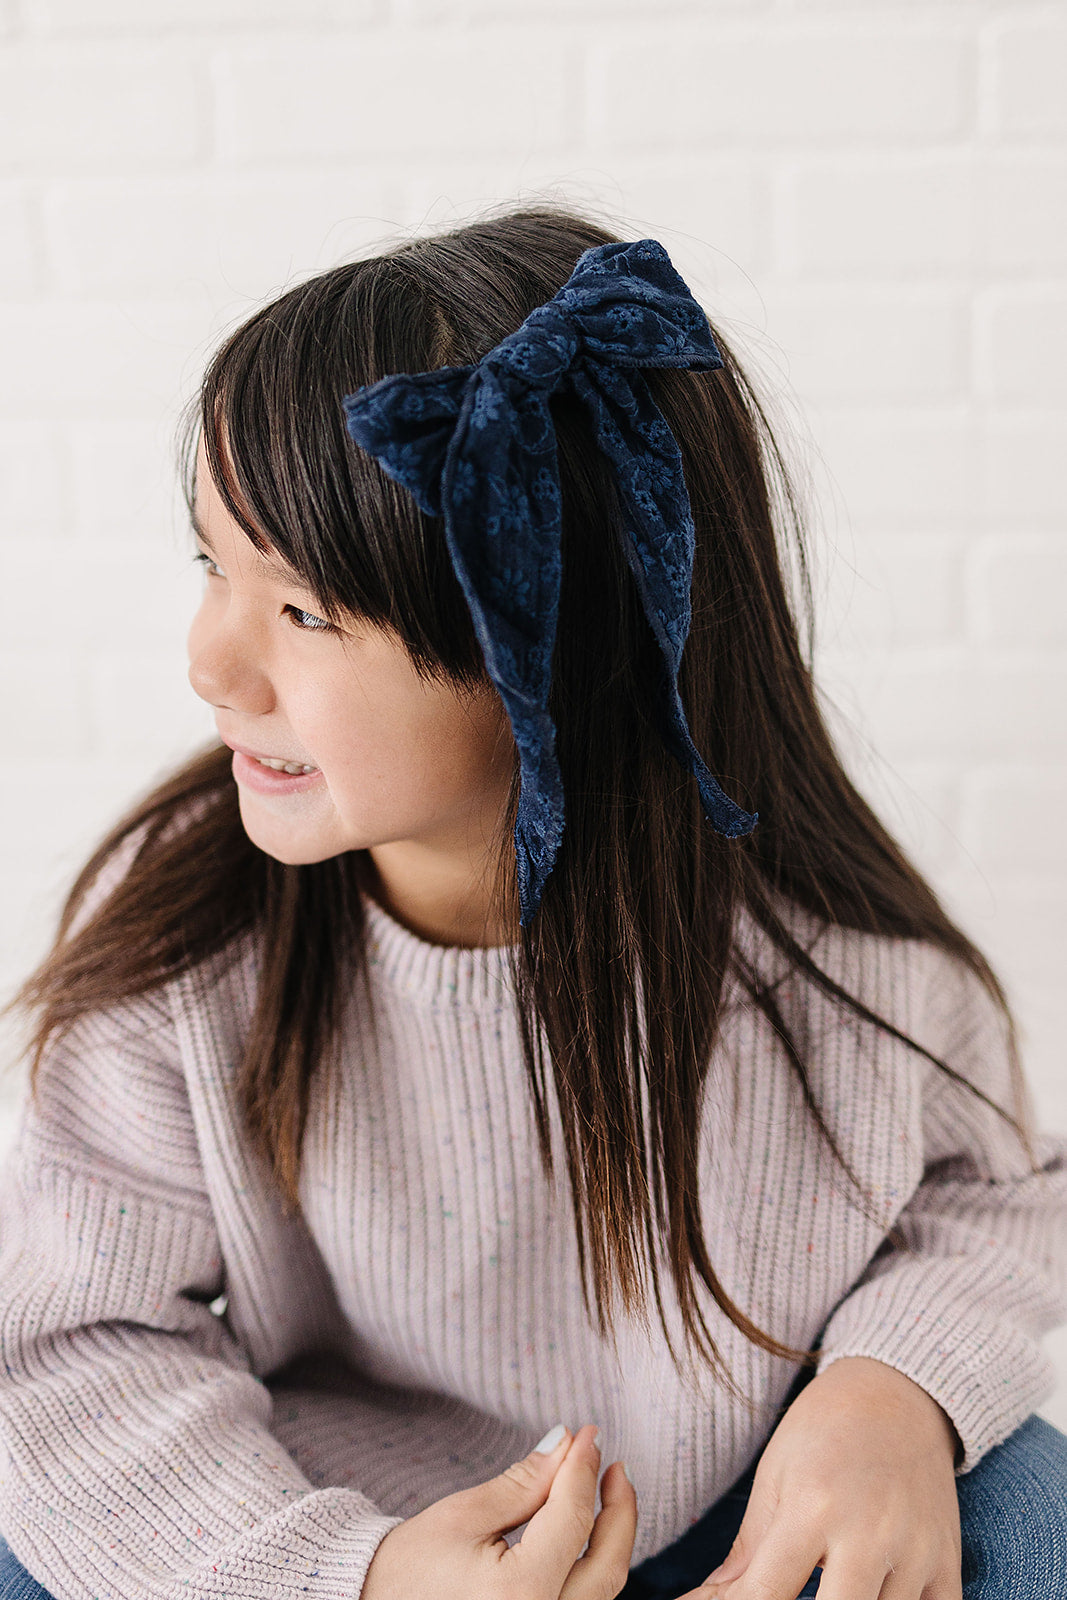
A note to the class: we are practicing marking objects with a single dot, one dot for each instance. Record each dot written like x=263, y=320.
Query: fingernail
x=596, y=1440
x=545, y=1446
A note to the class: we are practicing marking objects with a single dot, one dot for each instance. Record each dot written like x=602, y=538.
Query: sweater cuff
x=986, y=1381
x=318, y=1548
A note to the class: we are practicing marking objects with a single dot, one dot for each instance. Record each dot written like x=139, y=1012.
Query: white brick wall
x=871, y=197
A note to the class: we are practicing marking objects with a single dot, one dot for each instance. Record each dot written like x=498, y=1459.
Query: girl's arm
x=963, y=1309
x=932, y=1359
x=138, y=1460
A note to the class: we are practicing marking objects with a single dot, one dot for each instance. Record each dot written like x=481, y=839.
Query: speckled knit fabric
x=421, y=1325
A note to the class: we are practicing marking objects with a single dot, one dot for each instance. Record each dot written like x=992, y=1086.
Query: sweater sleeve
x=962, y=1308
x=136, y=1457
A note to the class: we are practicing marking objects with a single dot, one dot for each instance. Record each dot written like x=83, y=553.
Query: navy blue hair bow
x=477, y=446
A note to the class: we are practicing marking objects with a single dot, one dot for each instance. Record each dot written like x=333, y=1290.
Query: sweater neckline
x=480, y=979
x=434, y=974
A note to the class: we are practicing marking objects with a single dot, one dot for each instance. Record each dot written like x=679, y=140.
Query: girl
x=447, y=1060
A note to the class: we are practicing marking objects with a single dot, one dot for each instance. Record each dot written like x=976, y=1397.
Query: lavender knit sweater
x=203, y=1396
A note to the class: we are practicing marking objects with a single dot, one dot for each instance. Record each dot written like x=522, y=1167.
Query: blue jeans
x=1013, y=1517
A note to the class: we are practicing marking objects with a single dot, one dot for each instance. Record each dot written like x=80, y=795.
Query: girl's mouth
x=271, y=775
x=279, y=764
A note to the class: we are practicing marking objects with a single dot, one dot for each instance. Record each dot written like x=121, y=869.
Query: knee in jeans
x=1013, y=1517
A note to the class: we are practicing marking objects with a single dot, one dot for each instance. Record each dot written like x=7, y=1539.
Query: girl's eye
x=304, y=621
x=308, y=622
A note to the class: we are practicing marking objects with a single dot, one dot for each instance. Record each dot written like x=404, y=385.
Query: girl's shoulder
x=934, y=996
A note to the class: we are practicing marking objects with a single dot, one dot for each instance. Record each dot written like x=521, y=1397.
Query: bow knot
x=477, y=446
x=541, y=352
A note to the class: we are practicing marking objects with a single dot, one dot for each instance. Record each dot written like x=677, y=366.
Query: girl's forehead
x=208, y=496
x=209, y=509
x=218, y=530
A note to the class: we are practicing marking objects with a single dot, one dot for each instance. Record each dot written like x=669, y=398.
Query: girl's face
x=417, y=773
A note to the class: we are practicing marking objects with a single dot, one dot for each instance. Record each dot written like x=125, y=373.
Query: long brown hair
x=645, y=897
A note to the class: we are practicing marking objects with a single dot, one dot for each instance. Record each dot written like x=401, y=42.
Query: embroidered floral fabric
x=476, y=446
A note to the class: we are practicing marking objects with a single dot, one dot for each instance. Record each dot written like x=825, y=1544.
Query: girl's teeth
x=283, y=766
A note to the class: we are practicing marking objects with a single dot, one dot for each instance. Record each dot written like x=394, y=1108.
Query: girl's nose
x=224, y=670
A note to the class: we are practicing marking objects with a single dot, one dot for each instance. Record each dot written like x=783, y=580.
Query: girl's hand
x=858, y=1478
x=455, y=1550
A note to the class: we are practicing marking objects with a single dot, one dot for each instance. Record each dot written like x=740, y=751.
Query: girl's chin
x=284, y=837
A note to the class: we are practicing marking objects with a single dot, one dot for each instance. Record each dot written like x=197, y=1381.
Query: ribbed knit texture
x=421, y=1325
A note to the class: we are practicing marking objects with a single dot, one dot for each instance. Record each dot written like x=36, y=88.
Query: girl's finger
x=860, y=1576
x=755, y=1524
x=903, y=1584
x=511, y=1498
x=556, y=1535
x=781, y=1565
x=606, y=1564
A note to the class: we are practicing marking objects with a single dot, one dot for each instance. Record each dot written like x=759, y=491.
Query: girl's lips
x=265, y=780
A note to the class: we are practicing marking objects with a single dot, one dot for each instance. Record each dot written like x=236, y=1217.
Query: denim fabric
x=476, y=445
x=1013, y=1512
x=15, y=1581
x=1013, y=1518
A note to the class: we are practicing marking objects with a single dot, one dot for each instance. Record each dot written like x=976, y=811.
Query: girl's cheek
x=195, y=643
x=195, y=626
x=205, y=620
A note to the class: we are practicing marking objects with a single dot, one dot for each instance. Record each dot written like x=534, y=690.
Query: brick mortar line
x=914, y=27
x=1000, y=19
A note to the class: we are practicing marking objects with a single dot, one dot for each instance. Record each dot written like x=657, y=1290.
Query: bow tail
x=502, y=508
x=724, y=814
x=658, y=540
x=539, y=820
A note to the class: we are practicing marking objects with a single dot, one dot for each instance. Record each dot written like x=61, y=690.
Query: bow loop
x=477, y=446
x=406, y=422
x=632, y=309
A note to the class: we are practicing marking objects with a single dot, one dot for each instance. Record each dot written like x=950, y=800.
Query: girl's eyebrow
x=200, y=533
x=289, y=574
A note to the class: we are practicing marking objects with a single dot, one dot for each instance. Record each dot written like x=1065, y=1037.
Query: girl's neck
x=437, y=902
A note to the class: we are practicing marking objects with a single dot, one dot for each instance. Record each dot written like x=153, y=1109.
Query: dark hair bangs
x=279, y=453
